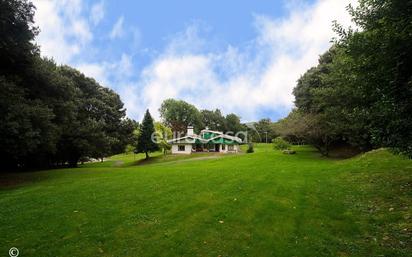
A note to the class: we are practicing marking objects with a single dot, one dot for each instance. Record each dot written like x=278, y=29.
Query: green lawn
x=260, y=204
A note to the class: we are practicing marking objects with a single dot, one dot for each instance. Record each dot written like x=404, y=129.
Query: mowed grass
x=260, y=204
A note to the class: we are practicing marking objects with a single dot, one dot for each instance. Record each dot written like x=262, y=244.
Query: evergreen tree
x=146, y=142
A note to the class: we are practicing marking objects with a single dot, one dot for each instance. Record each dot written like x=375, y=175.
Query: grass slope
x=260, y=204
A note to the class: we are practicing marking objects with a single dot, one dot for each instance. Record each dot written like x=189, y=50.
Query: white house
x=207, y=141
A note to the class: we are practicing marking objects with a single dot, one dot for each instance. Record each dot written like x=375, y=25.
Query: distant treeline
x=360, y=93
x=178, y=114
x=50, y=115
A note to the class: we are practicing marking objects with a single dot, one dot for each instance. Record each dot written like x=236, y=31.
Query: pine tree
x=146, y=143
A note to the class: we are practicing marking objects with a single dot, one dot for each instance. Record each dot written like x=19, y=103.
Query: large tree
x=362, y=87
x=17, y=32
x=178, y=114
x=376, y=67
x=265, y=130
x=213, y=120
x=27, y=131
x=98, y=126
x=50, y=115
x=233, y=123
x=300, y=127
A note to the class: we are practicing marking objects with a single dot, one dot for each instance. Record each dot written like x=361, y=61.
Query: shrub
x=280, y=144
x=129, y=149
x=288, y=151
x=250, y=148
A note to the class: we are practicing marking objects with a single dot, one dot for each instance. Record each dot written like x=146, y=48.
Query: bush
x=129, y=149
x=288, y=151
x=250, y=148
x=280, y=144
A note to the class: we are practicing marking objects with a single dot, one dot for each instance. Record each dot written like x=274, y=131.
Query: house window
x=223, y=147
x=231, y=147
x=181, y=148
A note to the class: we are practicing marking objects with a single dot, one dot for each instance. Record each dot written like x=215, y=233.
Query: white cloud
x=117, y=30
x=244, y=80
x=65, y=36
x=97, y=12
x=259, y=77
x=189, y=40
x=96, y=71
x=109, y=73
x=118, y=76
x=136, y=39
x=64, y=32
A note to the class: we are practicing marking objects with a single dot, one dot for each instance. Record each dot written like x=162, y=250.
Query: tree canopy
x=163, y=133
x=49, y=114
x=213, y=120
x=360, y=93
x=178, y=114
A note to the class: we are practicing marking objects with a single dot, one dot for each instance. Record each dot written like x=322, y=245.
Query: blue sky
x=238, y=56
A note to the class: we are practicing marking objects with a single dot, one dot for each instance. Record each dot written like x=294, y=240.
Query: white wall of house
x=229, y=148
x=223, y=148
x=232, y=148
x=185, y=148
x=178, y=149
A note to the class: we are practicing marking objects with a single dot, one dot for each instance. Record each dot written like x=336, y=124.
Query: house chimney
x=189, y=130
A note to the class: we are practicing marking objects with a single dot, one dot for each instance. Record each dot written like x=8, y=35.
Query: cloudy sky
x=238, y=56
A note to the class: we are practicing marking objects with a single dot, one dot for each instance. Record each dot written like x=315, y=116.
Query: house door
x=217, y=148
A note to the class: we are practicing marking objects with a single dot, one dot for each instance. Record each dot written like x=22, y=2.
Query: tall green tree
x=163, y=133
x=98, y=127
x=266, y=130
x=318, y=120
x=233, y=124
x=178, y=114
x=147, y=141
x=27, y=131
x=361, y=89
x=50, y=115
x=213, y=120
x=379, y=58
x=17, y=32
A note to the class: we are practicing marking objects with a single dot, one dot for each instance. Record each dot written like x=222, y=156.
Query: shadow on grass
x=150, y=160
x=174, y=158
x=16, y=179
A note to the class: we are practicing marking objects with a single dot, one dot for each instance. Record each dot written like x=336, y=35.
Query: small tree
x=163, y=133
x=146, y=142
x=280, y=144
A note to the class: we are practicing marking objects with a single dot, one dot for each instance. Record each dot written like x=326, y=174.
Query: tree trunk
x=73, y=162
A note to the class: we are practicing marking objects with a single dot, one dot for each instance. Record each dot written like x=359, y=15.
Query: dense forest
x=50, y=115
x=178, y=114
x=360, y=93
